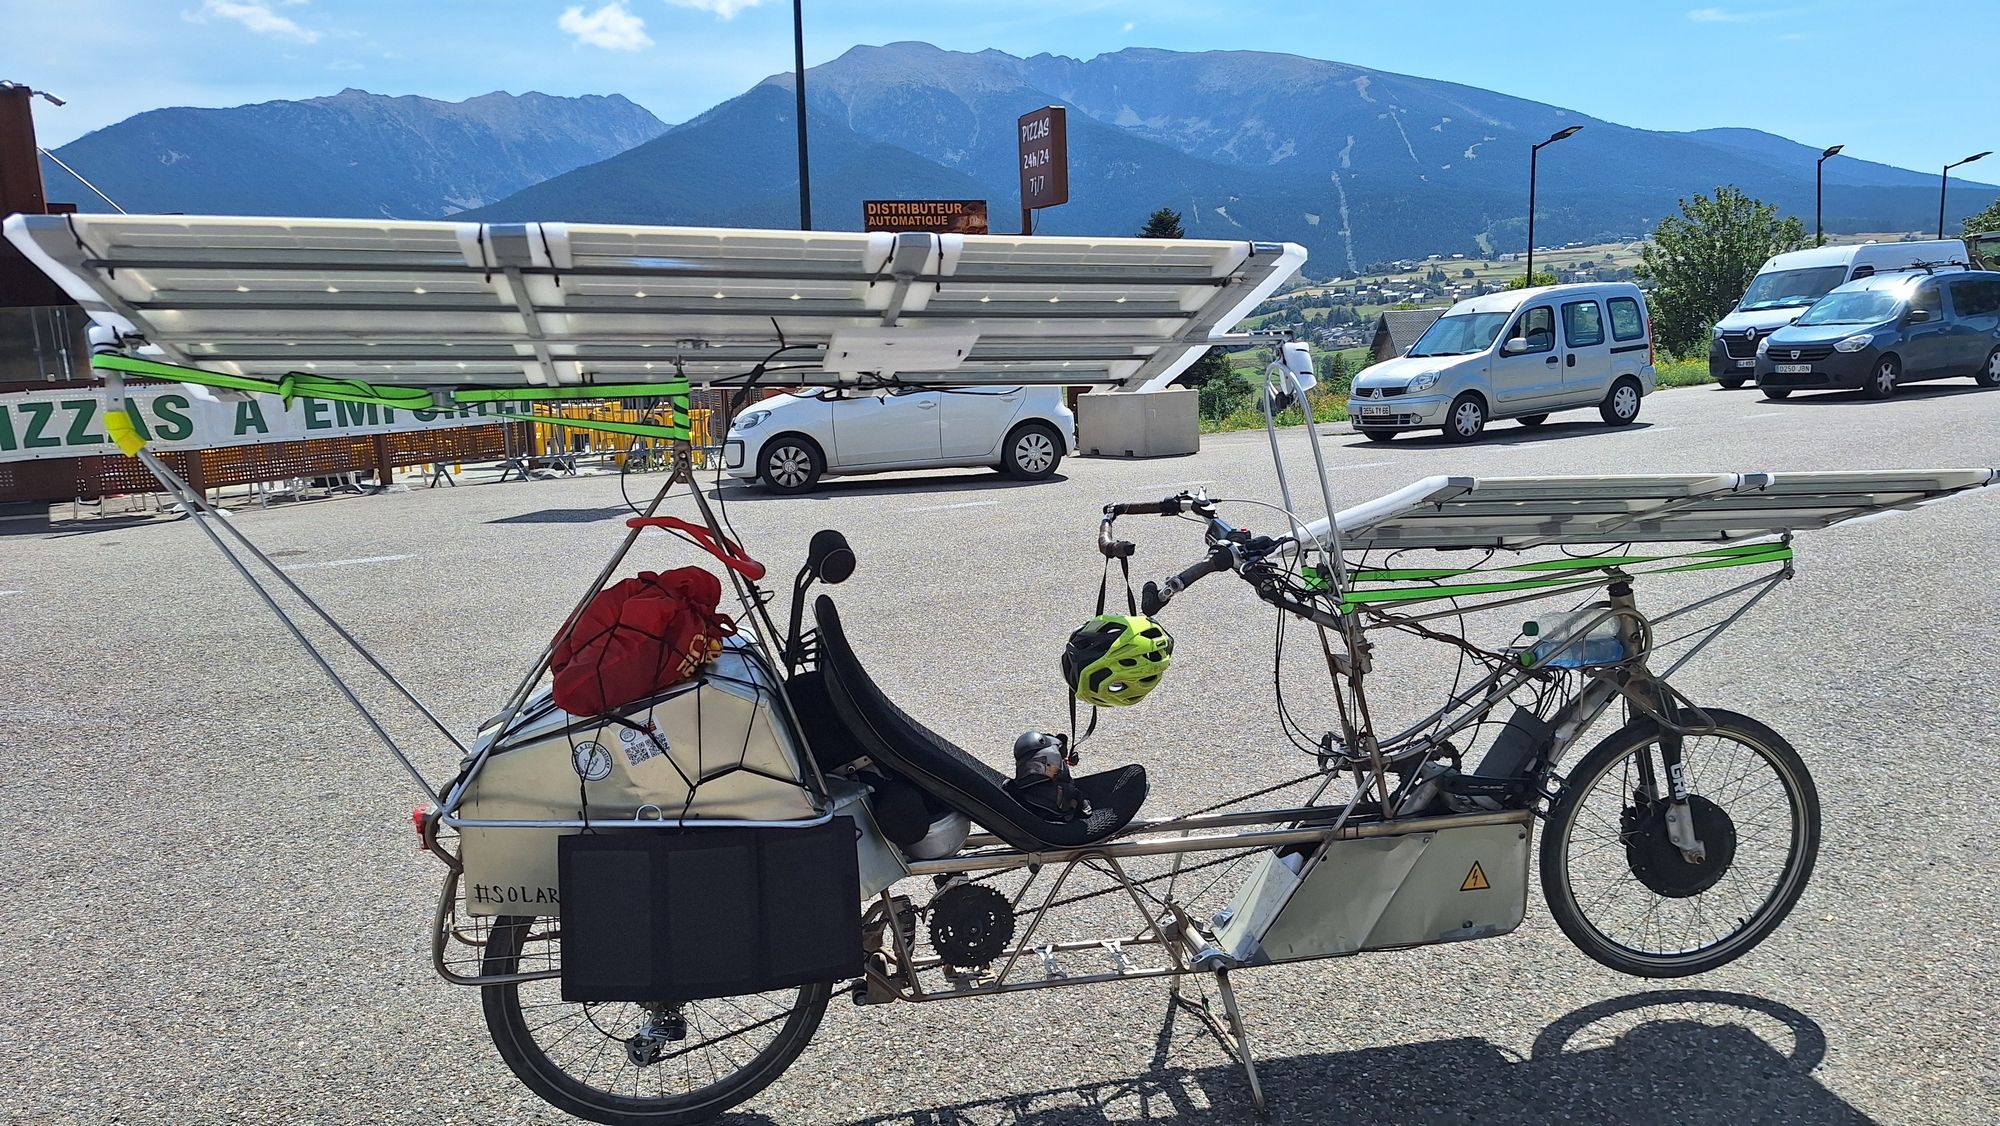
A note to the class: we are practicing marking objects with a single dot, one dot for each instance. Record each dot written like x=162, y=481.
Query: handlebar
x=1221, y=557
x=1168, y=506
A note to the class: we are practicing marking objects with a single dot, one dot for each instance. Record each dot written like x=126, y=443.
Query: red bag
x=638, y=637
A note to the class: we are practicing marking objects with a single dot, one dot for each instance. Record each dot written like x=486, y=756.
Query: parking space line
x=1766, y=414
x=9, y=592
x=348, y=562
x=1361, y=465
x=945, y=507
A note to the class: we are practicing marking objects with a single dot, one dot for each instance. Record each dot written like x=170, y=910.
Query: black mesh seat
x=887, y=734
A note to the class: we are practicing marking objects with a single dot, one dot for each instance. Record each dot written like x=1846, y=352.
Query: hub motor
x=1659, y=863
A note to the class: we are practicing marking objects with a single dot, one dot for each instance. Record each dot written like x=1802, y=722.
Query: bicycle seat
x=887, y=734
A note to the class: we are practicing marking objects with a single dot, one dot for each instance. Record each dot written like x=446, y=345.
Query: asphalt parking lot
x=215, y=910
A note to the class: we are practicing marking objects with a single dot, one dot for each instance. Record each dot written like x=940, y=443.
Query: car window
x=1926, y=297
x=1626, y=321
x=1537, y=326
x=1778, y=288
x=1583, y=324
x=1975, y=297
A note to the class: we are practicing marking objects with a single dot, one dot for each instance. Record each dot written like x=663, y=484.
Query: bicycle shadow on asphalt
x=882, y=485
x=1677, y=1056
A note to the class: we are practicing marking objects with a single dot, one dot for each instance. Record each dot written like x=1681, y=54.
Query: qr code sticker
x=642, y=745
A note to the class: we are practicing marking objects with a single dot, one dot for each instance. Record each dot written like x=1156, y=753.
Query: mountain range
x=351, y=155
x=1359, y=165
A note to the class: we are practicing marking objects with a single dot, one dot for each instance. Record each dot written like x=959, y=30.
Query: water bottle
x=1601, y=646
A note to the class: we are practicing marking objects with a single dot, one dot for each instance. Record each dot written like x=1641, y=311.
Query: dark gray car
x=1874, y=334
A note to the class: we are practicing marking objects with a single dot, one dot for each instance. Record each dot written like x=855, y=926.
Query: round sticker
x=592, y=762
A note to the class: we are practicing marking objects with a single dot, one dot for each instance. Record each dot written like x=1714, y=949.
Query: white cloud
x=257, y=16
x=1130, y=26
x=1719, y=15
x=610, y=27
x=725, y=9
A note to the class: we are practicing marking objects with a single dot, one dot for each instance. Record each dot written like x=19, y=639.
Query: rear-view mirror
x=829, y=557
x=1514, y=347
x=1919, y=316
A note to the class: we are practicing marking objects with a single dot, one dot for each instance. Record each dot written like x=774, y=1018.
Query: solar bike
x=658, y=903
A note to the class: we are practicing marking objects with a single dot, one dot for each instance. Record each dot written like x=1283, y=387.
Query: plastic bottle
x=1601, y=646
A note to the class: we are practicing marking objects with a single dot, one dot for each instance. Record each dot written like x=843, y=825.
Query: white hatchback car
x=790, y=441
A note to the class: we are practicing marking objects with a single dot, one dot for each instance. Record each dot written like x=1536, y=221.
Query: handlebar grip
x=1153, y=598
x=1171, y=506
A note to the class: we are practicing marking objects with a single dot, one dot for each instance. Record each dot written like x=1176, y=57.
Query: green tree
x=1985, y=222
x=1164, y=223
x=1540, y=278
x=1700, y=261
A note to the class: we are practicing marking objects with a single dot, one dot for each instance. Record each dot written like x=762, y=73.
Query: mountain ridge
x=1358, y=164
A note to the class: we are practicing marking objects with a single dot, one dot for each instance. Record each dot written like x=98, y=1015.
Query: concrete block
x=1138, y=424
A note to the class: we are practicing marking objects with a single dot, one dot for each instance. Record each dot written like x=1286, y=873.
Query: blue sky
x=1802, y=71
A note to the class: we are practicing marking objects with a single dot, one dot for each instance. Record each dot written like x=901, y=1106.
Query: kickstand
x=1236, y=1032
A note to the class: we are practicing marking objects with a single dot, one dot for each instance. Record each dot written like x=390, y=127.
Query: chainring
x=971, y=924
x=1659, y=864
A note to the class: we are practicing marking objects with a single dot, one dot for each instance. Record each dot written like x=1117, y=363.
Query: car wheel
x=1032, y=452
x=1730, y=383
x=1466, y=419
x=1777, y=392
x=1621, y=405
x=1989, y=375
x=1377, y=435
x=1532, y=419
x=790, y=463
x=1882, y=381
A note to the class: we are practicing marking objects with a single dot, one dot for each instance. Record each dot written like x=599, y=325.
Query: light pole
x=1533, y=153
x=1819, y=239
x=799, y=85
x=1946, y=178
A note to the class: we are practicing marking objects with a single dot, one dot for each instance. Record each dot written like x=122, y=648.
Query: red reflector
x=417, y=819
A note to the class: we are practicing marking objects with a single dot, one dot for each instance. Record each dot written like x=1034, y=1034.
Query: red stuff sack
x=636, y=638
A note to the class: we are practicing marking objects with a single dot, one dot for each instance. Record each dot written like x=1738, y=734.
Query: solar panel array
x=467, y=304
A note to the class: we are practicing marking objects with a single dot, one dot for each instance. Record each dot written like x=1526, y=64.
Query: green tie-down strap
x=1547, y=574
x=300, y=385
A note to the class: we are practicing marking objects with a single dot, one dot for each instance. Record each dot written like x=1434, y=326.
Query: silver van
x=1522, y=354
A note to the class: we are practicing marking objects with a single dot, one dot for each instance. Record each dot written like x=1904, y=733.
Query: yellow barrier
x=552, y=438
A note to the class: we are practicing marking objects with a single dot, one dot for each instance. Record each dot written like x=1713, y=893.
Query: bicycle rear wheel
x=1628, y=897
x=638, y=1064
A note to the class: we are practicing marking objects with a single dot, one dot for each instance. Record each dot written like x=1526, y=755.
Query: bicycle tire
x=1558, y=885
x=512, y=1034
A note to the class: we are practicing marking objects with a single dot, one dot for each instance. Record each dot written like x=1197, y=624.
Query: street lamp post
x=1819, y=239
x=1533, y=153
x=799, y=85
x=1946, y=178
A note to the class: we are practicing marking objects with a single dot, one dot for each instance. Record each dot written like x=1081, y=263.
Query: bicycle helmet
x=1116, y=659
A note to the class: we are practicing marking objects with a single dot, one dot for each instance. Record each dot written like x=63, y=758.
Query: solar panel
x=471, y=304
x=1517, y=513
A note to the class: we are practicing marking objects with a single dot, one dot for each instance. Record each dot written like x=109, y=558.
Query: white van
x=1790, y=282
x=1502, y=356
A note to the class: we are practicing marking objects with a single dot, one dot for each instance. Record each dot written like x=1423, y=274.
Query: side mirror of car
x=1919, y=316
x=1515, y=346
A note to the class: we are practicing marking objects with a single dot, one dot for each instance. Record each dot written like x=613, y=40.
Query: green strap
x=1590, y=563
x=1738, y=555
x=296, y=385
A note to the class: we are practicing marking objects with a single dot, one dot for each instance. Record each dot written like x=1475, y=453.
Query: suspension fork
x=1679, y=816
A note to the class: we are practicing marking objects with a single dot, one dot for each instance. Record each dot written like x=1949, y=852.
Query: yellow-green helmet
x=1116, y=659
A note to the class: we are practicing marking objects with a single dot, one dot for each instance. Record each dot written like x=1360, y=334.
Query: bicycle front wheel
x=1629, y=897
x=637, y=1064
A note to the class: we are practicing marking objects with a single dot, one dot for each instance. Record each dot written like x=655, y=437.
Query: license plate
x=1746, y=363
x=1375, y=412
x=1794, y=369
